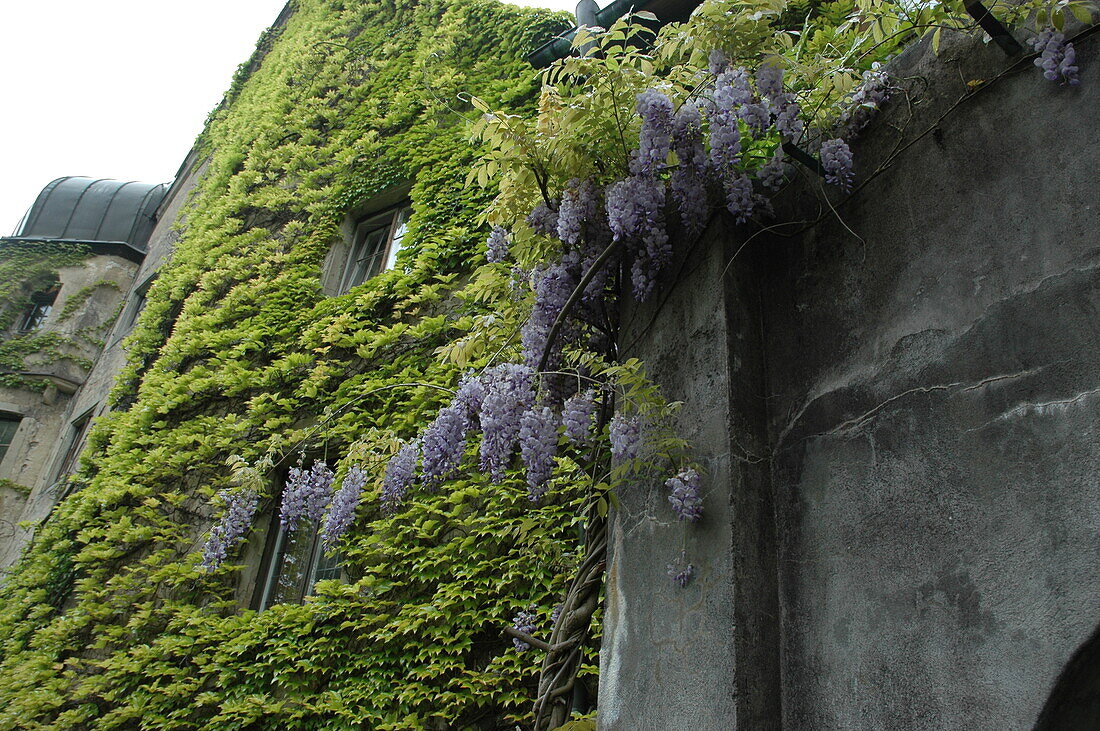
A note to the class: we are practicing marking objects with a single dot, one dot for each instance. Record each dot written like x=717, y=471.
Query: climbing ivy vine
x=240, y=369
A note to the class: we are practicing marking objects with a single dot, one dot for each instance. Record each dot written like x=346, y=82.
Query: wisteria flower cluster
x=306, y=495
x=836, y=158
x=526, y=621
x=626, y=438
x=1057, y=58
x=681, y=572
x=240, y=507
x=865, y=102
x=400, y=474
x=686, y=498
x=341, y=512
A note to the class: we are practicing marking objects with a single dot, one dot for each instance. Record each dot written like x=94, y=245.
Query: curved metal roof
x=93, y=211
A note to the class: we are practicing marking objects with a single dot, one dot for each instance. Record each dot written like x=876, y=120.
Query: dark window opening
x=137, y=305
x=77, y=432
x=39, y=309
x=8, y=426
x=374, y=246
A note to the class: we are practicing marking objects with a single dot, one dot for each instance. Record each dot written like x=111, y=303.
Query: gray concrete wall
x=671, y=657
x=928, y=399
x=934, y=416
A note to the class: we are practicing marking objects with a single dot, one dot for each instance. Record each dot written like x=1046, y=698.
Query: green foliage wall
x=107, y=622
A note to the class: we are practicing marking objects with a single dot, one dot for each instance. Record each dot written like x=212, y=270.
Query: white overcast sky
x=117, y=88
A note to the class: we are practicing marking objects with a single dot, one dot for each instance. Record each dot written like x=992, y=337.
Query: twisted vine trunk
x=572, y=631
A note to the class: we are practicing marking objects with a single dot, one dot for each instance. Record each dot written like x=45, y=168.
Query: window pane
x=401, y=226
x=325, y=567
x=8, y=427
x=366, y=254
x=39, y=308
x=36, y=315
x=290, y=568
x=76, y=441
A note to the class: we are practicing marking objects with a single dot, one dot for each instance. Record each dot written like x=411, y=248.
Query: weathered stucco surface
x=921, y=384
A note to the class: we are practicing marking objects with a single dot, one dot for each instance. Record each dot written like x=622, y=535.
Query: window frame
x=39, y=309
x=77, y=437
x=272, y=562
x=137, y=303
x=6, y=417
x=392, y=222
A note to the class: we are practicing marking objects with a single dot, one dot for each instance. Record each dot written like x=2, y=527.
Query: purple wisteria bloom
x=1057, y=59
x=740, y=197
x=497, y=245
x=553, y=286
x=655, y=110
x=525, y=621
x=400, y=471
x=543, y=219
x=305, y=496
x=689, y=180
x=625, y=433
x=865, y=103
x=341, y=513
x=772, y=173
x=240, y=507
x=681, y=572
x=468, y=397
x=836, y=158
x=576, y=417
x=443, y=443
x=538, y=443
x=509, y=391
x=686, y=498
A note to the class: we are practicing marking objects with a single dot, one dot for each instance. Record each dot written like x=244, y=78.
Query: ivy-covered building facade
x=876, y=386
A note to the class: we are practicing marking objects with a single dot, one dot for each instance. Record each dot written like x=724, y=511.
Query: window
x=8, y=426
x=39, y=308
x=293, y=563
x=77, y=432
x=374, y=246
x=137, y=304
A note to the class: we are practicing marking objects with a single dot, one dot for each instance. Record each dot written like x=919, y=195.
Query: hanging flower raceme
x=509, y=392
x=655, y=111
x=686, y=498
x=526, y=621
x=681, y=572
x=497, y=245
x=400, y=473
x=543, y=219
x=625, y=433
x=783, y=107
x=740, y=197
x=689, y=180
x=538, y=443
x=576, y=417
x=635, y=212
x=773, y=172
x=444, y=442
x=1057, y=59
x=240, y=507
x=865, y=103
x=553, y=285
x=306, y=495
x=468, y=397
x=341, y=513
x=836, y=158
